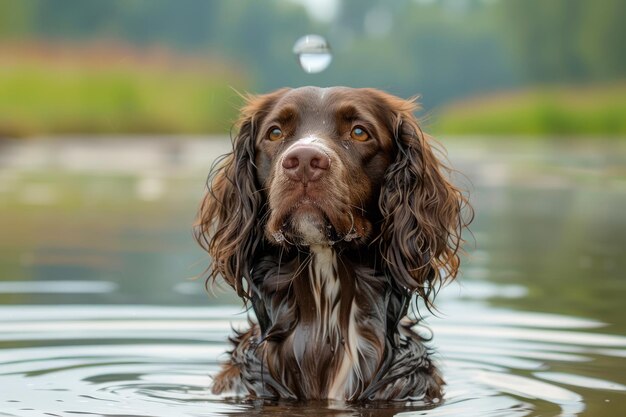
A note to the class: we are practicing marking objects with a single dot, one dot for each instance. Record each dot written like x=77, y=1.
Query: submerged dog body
x=331, y=212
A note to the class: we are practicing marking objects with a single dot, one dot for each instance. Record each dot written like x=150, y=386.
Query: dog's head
x=333, y=166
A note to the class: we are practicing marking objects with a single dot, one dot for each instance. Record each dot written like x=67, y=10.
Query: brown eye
x=358, y=133
x=275, y=134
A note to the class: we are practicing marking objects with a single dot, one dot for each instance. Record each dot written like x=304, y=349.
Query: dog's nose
x=305, y=163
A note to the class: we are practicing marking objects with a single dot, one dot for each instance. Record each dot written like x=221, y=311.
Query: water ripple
x=157, y=361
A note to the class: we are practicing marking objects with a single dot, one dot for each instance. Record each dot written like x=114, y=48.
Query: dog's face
x=321, y=156
x=319, y=166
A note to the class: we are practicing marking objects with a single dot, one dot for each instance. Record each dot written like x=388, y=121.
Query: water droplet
x=313, y=52
x=350, y=236
x=278, y=236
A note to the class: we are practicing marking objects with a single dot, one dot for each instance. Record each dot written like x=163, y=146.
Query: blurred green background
x=527, y=67
x=113, y=111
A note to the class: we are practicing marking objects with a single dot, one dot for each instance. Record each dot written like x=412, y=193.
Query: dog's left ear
x=422, y=210
x=228, y=225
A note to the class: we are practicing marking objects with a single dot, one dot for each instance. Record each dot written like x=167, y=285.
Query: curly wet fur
x=330, y=314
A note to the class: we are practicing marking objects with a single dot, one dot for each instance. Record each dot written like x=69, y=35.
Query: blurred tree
x=444, y=49
x=74, y=18
x=602, y=35
x=566, y=40
x=187, y=24
x=15, y=18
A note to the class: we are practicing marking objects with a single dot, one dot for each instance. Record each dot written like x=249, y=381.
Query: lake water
x=100, y=313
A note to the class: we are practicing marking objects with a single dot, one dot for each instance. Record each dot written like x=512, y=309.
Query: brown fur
x=330, y=265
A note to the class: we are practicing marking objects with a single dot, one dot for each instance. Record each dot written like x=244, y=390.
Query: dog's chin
x=305, y=224
x=308, y=226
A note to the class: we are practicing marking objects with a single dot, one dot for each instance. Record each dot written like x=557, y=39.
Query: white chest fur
x=326, y=287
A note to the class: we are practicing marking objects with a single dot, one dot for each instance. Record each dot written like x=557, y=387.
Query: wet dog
x=329, y=215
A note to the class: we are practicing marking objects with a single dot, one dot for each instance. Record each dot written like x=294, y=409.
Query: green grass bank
x=546, y=111
x=113, y=90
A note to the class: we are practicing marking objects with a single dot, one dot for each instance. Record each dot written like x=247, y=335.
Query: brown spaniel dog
x=328, y=216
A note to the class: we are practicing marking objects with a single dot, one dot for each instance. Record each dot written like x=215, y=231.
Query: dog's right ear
x=228, y=225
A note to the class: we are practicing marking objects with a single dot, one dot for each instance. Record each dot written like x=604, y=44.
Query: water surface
x=100, y=314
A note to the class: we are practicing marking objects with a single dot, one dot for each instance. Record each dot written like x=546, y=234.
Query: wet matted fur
x=329, y=215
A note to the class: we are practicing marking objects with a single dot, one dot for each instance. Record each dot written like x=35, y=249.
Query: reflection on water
x=156, y=361
x=99, y=315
